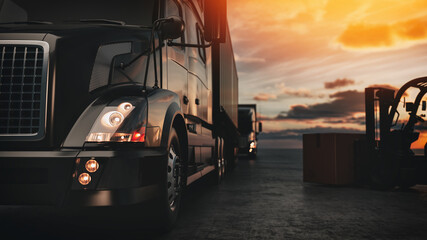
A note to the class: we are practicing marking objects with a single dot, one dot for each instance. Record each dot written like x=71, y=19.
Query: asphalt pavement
x=263, y=198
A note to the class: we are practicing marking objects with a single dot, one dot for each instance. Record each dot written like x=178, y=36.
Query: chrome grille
x=23, y=83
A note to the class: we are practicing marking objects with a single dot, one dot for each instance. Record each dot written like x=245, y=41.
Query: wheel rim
x=223, y=166
x=174, y=177
x=219, y=159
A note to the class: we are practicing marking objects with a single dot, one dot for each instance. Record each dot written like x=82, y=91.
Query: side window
x=191, y=25
x=195, y=34
x=174, y=9
x=201, y=41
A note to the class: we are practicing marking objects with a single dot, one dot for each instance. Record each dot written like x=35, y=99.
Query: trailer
x=106, y=103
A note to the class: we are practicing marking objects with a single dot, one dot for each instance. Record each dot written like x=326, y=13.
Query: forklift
x=390, y=161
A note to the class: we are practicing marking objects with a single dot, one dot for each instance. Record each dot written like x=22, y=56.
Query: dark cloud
x=297, y=133
x=354, y=120
x=262, y=117
x=338, y=83
x=345, y=104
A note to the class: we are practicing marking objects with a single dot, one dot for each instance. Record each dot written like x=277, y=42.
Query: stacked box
x=329, y=158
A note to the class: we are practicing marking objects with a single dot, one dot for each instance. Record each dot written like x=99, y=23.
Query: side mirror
x=260, y=127
x=172, y=28
x=215, y=20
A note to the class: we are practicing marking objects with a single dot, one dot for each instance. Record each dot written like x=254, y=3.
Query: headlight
x=113, y=119
x=126, y=107
x=106, y=127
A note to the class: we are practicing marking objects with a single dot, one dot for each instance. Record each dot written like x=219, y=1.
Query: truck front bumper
x=51, y=177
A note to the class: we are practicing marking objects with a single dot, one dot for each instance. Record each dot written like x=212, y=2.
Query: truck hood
x=73, y=55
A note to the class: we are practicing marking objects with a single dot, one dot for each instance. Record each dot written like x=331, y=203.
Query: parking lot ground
x=263, y=198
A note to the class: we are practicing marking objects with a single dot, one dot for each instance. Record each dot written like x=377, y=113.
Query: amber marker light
x=139, y=136
x=92, y=165
x=84, y=179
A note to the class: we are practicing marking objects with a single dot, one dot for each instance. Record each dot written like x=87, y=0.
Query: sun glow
x=420, y=143
x=288, y=50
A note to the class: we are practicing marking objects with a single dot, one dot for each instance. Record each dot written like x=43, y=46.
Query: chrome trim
x=43, y=93
x=200, y=174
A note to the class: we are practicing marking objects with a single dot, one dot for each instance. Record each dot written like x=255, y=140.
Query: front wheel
x=385, y=172
x=174, y=182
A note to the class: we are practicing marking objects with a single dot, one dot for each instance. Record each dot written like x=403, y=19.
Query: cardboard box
x=328, y=158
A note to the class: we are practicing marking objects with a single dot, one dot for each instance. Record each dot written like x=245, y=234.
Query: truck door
x=198, y=87
x=176, y=60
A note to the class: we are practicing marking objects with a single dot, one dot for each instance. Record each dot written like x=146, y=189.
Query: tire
x=384, y=175
x=223, y=161
x=252, y=155
x=229, y=155
x=173, y=184
x=218, y=173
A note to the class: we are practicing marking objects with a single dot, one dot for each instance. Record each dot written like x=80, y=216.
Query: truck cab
x=249, y=128
x=114, y=103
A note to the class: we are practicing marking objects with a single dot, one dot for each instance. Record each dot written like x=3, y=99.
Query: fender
x=172, y=112
x=163, y=107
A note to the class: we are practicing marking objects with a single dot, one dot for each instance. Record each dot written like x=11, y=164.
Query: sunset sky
x=305, y=63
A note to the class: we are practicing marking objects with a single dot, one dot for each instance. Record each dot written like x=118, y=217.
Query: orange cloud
x=338, y=83
x=282, y=91
x=273, y=20
x=366, y=35
x=399, y=34
x=414, y=29
x=304, y=93
x=265, y=97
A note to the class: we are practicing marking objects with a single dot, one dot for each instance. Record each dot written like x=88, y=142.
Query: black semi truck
x=114, y=102
x=249, y=128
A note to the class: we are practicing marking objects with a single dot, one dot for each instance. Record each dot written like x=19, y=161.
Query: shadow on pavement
x=40, y=222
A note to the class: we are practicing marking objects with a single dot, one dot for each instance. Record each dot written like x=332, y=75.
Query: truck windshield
x=131, y=12
x=246, y=121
